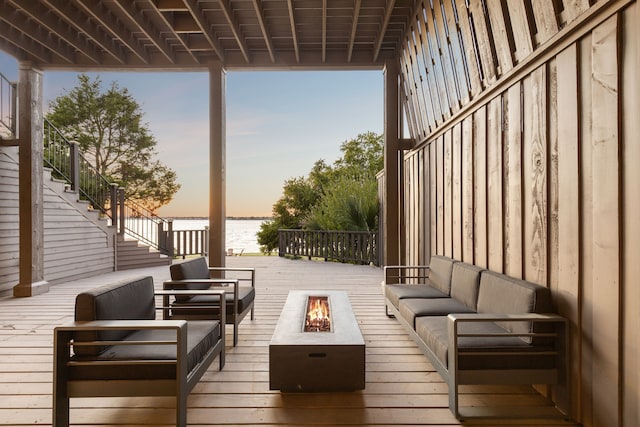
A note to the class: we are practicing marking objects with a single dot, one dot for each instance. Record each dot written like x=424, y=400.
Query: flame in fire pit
x=318, y=318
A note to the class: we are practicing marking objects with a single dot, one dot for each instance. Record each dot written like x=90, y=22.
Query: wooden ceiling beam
x=257, y=5
x=52, y=23
x=24, y=44
x=205, y=27
x=383, y=29
x=172, y=29
x=145, y=26
x=354, y=28
x=99, y=12
x=78, y=20
x=28, y=29
x=324, y=30
x=235, y=28
x=292, y=21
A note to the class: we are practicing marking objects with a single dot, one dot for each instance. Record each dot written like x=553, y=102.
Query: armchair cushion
x=395, y=293
x=411, y=308
x=246, y=295
x=193, y=269
x=113, y=302
x=201, y=337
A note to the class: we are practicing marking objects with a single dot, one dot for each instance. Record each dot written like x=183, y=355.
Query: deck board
x=402, y=388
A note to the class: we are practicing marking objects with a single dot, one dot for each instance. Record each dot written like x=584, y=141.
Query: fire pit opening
x=318, y=317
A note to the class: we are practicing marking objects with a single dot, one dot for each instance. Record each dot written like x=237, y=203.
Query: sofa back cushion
x=465, y=280
x=500, y=294
x=440, y=269
x=196, y=268
x=130, y=300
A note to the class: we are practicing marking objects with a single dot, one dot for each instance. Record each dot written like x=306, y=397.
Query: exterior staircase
x=130, y=254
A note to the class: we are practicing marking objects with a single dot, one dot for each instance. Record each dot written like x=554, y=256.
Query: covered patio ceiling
x=191, y=34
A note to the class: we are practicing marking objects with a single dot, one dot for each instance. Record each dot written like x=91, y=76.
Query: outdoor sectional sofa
x=115, y=347
x=480, y=327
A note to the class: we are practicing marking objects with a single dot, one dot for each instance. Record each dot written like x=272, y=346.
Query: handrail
x=8, y=104
x=132, y=219
x=344, y=246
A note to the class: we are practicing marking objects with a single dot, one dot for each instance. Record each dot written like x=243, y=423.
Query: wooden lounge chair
x=117, y=348
x=196, y=274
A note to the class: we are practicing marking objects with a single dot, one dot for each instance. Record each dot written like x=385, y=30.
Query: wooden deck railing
x=345, y=246
x=190, y=242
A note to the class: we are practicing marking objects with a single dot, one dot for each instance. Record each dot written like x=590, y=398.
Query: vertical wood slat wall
x=527, y=161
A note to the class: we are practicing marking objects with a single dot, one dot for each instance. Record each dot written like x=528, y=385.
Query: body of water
x=241, y=233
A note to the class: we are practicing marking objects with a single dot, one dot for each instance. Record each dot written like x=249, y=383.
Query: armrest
x=492, y=317
x=399, y=273
x=250, y=270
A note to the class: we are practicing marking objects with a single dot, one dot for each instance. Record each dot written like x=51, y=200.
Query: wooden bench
x=116, y=347
x=480, y=327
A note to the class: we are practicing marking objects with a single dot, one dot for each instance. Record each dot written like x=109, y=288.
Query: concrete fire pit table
x=317, y=361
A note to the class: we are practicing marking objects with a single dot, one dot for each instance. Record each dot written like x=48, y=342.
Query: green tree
x=108, y=126
x=342, y=196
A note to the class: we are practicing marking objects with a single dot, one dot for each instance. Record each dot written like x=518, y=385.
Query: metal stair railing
x=8, y=105
x=134, y=220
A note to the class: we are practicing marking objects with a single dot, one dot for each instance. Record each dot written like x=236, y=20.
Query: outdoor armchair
x=116, y=347
x=196, y=274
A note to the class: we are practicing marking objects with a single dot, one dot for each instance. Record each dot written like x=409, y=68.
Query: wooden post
x=391, y=207
x=30, y=176
x=217, y=165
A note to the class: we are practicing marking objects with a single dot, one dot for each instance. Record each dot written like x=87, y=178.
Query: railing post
x=114, y=204
x=206, y=240
x=169, y=239
x=121, y=218
x=74, y=166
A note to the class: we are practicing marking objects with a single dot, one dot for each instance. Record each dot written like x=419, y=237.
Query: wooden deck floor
x=402, y=388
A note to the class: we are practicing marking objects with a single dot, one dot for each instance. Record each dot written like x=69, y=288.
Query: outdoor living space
x=401, y=387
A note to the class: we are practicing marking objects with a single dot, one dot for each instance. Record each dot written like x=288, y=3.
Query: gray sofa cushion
x=410, y=308
x=500, y=294
x=246, y=295
x=433, y=331
x=440, y=269
x=397, y=292
x=130, y=300
x=201, y=337
x=196, y=268
x=465, y=280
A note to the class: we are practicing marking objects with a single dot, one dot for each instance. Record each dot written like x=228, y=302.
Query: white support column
x=391, y=207
x=217, y=165
x=30, y=177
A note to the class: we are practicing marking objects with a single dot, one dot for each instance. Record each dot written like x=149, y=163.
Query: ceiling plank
x=257, y=5
x=170, y=25
x=205, y=27
x=292, y=20
x=29, y=29
x=354, y=28
x=99, y=12
x=324, y=31
x=235, y=28
x=51, y=22
x=78, y=20
x=145, y=26
x=383, y=29
x=24, y=44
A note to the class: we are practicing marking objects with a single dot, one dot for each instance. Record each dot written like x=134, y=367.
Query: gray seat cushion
x=397, y=292
x=130, y=300
x=189, y=306
x=201, y=337
x=196, y=268
x=410, y=308
x=433, y=331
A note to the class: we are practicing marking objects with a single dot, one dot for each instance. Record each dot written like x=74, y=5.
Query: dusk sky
x=278, y=125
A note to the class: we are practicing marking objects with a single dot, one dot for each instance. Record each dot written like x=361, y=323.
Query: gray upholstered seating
x=432, y=281
x=489, y=329
x=196, y=274
x=116, y=347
